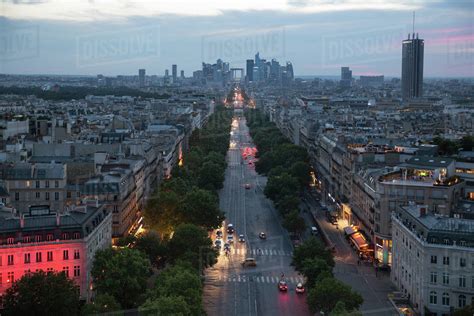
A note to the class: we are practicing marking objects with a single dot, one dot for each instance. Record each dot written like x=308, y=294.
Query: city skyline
x=302, y=33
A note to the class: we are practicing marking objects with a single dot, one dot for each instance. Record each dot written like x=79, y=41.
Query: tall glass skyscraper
x=412, y=67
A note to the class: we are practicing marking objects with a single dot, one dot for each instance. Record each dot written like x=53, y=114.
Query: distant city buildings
x=174, y=72
x=268, y=72
x=412, y=67
x=141, y=77
x=346, y=77
x=371, y=81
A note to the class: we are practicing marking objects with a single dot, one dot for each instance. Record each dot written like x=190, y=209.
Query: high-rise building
x=141, y=77
x=182, y=74
x=174, y=72
x=167, y=73
x=289, y=70
x=249, y=73
x=412, y=67
x=346, y=77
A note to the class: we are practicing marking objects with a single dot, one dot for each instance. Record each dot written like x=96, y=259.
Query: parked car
x=262, y=235
x=241, y=238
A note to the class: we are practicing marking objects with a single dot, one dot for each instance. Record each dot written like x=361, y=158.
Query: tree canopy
x=42, y=293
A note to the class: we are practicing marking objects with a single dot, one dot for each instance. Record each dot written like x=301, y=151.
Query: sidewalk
x=373, y=288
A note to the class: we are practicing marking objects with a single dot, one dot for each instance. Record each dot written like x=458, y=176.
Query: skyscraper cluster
x=261, y=70
x=214, y=73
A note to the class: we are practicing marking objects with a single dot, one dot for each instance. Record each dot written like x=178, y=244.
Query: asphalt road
x=230, y=288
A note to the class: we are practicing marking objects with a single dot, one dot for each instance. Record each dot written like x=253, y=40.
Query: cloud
x=102, y=10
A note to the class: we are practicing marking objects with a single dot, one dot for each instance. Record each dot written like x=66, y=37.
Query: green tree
x=201, y=208
x=281, y=186
x=467, y=310
x=287, y=203
x=122, y=273
x=300, y=170
x=103, y=303
x=165, y=305
x=313, y=268
x=310, y=249
x=161, y=212
x=340, y=310
x=192, y=243
x=294, y=223
x=327, y=293
x=467, y=142
x=42, y=294
x=152, y=245
x=211, y=176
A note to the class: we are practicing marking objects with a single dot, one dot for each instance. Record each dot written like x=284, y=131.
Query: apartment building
x=433, y=259
x=41, y=239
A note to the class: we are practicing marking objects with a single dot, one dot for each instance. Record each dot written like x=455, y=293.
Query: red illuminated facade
x=43, y=240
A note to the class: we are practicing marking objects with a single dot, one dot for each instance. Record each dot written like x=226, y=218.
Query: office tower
x=167, y=73
x=255, y=74
x=249, y=71
x=289, y=70
x=346, y=77
x=412, y=67
x=141, y=77
x=174, y=71
x=182, y=74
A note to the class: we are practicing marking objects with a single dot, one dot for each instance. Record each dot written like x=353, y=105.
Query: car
x=314, y=230
x=230, y=229
x=219, y=234
x=218, y=243
x=282, y=286
x=249, y=262
x=227, y=247
x=299, y=288
x=241, y=238
x=247, y=186
x=230, y=239
x=262, y=235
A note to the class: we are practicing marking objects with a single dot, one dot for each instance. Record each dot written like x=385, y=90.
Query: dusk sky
x=318, y=36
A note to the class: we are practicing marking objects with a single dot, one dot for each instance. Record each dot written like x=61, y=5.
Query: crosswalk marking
x=258, y=279
x=261, y=252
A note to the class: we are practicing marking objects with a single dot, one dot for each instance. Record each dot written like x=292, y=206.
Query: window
x=38, y=238
x=37, y=184
x=17, y=196
x=38, y=257
x=462, y=281
x=10, y=277
x=433, y=298
x=68, y=194
x=46, y=183
x=1, y=279
x=433, y=277
x=49, y=237
x=56, y=196
x=76, y=254
x=10, y=240
x=38, y=195
x=65, y=254
x=77, y=271
x=434, y=259
x=462, y=301
x=462, y=262
x=46, y=196
x=10, y=260
x=56, y=184
x=64, y=236
x=446, y=261
x=76, y=235
x=49, y=256
x=66, y=271
x=26, y=239
x=445, y=278
x=446, y=299
x=27, y=258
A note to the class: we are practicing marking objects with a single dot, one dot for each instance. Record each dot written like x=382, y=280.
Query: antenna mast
x=413, y=22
